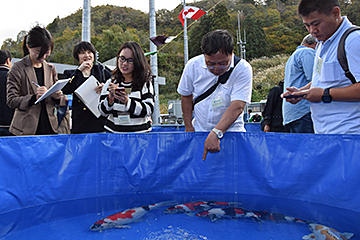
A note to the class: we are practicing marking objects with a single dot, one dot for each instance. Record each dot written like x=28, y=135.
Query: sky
x=17, y=15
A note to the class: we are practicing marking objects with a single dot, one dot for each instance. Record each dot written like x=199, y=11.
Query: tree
x=220, y=19
x=256, y=44
x=197, y=34
x=64, y=45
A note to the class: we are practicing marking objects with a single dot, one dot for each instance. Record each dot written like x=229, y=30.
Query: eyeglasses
x=123, y=59
x=220, y=67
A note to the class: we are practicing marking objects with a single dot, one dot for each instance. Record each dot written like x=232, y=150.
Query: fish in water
x=277, y=217
x=321, y=232
x=234, y=213
x=120, y=219
x=195, y=206
x=229, y=212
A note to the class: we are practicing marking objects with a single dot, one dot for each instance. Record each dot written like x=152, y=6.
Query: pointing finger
x=204, y=154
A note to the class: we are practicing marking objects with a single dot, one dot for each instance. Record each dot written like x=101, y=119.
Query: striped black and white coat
x=139, y=107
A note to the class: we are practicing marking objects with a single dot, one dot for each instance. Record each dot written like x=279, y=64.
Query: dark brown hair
x=142, y=71
x=218, y=40
x=38, y=37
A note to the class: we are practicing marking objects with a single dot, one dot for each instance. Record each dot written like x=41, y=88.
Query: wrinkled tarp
x=45, y=169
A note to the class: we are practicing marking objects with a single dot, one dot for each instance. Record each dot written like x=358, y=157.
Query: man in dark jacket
x=6, y=113
x=273, y=110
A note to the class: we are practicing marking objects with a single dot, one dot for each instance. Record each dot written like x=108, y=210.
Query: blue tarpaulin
x=45, y=169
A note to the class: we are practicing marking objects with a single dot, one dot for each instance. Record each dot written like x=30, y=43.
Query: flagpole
x=154, y=62
x=186, y=57
x=86, y=22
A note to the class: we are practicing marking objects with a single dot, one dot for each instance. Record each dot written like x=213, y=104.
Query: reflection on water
x=72, y=219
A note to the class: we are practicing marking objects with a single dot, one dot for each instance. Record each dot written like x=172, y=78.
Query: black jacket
x=6, y=113
x=273, y=110
x=83, y=120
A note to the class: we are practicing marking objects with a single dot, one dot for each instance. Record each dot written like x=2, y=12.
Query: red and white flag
x=190, y=12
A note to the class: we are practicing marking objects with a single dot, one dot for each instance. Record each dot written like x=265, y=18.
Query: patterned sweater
x=135, y=116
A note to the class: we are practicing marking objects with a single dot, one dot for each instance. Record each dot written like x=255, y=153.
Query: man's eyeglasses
x=221, y=67
x=123, y=59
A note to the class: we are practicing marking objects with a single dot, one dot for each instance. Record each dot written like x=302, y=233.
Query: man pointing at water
x=214, y=89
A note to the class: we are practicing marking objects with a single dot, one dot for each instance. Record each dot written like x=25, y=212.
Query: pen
x=35, y=83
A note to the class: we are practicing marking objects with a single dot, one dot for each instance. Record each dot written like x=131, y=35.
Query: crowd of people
x=315, y=96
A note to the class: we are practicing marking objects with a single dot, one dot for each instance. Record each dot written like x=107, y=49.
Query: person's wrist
x=111, y=97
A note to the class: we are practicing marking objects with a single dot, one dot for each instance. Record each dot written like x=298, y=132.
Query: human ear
x=336, y=13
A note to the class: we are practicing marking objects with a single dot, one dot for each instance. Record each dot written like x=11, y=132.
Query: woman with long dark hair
x=129, y=101
x=28, y=80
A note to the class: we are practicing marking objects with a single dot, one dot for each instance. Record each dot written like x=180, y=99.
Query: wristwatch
x=218, y=132
x=326, y=97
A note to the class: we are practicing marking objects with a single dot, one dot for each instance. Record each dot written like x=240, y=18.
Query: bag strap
x=222, y=79
x=341, y=54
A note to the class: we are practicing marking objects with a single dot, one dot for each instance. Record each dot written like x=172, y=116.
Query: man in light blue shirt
x=334, y=100
x=298, y=73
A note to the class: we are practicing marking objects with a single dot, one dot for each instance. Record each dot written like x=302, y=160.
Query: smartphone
x=119, y=89
x=128, y=90
x=294, y=96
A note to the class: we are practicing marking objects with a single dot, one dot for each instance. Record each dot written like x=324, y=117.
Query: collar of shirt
x=4, y=67
x=335, y=38
x=345, y=24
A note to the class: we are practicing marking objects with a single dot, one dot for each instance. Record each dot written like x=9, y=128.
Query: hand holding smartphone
x=119, y=89
x=293, y=96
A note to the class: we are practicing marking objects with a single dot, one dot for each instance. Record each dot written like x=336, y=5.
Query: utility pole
x=86, y=22
x=186, y=50
x=241, y=44
x=154, y=62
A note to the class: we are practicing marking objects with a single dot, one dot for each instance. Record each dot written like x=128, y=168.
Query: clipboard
x=54, y=88
x=86, y=93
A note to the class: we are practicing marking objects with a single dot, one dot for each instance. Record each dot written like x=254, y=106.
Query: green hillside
x=273, y=31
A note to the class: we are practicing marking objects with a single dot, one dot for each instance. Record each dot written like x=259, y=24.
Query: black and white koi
x=195, y=206
x=258, y=216
x=120, y=219
x=277, y=217
x=229, y=212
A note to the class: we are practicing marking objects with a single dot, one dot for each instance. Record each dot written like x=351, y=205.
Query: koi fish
x=321, y=232
x=258, y=216
x=277, y=217
x=120, y=219
x=195, y=206
x=229, y=212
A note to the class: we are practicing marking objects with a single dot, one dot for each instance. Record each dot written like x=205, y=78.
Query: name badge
x=319, y=64
x=122, y=119
x=217, y=103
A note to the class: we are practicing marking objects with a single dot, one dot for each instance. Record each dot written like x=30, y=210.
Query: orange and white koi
x=321, y=232
x=120, y=219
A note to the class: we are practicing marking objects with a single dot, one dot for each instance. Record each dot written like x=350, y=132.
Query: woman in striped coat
x=129, y=108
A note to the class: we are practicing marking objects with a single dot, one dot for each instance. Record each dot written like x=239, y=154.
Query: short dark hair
x=218, y=40
x=4, y=55
x=38, y=37
x=83, y=46
x=306, y=7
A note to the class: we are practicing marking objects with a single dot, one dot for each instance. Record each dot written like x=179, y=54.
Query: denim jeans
x=302, y=125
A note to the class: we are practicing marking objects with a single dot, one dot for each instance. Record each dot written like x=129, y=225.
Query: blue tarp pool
x=48, y=172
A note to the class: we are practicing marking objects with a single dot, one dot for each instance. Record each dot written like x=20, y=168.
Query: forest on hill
x=273, y=31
